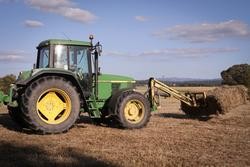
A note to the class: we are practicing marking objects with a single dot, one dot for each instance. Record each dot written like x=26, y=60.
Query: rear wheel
x=133, y=110
x=51, y=105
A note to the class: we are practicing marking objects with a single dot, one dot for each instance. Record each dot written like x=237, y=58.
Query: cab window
x=43, y=61
x=61, y=57
x=78, y=59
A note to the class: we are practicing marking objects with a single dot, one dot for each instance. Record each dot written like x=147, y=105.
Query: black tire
x=41, y=89
x=144, y=113
x=16, y=115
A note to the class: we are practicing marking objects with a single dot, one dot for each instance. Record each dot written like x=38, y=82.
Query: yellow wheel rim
x=134, y=111
x=53, y=106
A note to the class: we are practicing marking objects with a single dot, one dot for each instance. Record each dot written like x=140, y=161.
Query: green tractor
x=66, y=80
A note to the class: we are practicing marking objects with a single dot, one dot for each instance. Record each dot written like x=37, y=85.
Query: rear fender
x=72, y=77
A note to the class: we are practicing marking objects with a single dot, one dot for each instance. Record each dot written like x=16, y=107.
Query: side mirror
x=99, y=71
x=99, y=49
x=34, y=66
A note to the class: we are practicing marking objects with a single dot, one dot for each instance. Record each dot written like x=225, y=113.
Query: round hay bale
x=218, y=101
x=228, y=97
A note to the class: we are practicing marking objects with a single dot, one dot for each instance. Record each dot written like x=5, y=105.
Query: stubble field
x=170, y=139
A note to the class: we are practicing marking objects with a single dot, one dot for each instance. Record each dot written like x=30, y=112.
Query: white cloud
x=115, y=53
x=33, y=23
x=8, y=1
x=11, y=56
x=64, y=8
x=188, y=52
x=174, y=53
x=141, y=18
x=206, y=32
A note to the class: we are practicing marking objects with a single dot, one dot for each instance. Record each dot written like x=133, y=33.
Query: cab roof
x=63, y=42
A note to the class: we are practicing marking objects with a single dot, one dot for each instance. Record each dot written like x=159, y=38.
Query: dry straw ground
x=170, y=139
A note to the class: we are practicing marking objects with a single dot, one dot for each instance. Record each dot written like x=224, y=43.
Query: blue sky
x=142, y=38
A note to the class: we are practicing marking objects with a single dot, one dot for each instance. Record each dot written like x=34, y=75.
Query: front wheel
x=133, y=110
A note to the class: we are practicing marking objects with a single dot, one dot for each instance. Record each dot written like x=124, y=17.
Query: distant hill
x=185, y=81
x=176, y=79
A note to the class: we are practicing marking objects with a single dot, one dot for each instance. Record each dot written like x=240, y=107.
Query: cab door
x=79, y=62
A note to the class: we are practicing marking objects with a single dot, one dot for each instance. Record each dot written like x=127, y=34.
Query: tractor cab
x=73, y=56
x=65, y=54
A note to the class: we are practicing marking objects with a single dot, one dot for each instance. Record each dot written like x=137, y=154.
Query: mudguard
x=83, y=88
x=57, y=72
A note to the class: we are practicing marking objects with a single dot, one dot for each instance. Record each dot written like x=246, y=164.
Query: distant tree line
x=212, y=82
x=6, y=81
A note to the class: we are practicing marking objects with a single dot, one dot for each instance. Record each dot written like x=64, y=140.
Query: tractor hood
x=110, y=84
x=109, y=78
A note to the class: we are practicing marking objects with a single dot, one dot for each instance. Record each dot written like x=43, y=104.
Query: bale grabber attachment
x=199, y=104
x=157, y=89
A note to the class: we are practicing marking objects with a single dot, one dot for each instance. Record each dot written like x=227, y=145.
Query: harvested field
x=170, y=139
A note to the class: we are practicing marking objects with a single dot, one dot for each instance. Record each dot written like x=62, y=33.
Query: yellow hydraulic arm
x=191, y=99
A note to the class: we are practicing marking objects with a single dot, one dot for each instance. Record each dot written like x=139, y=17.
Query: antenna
x=66, y=36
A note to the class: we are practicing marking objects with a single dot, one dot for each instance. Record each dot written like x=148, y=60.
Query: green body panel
x=63, y=42
x=109, y=84
x=7, y=99
x=3, y=98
